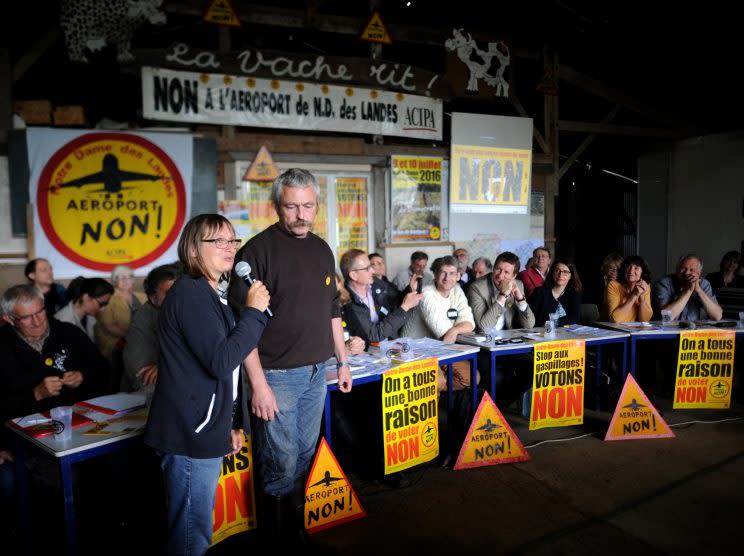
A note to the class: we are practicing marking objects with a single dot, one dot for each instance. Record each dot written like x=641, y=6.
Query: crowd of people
x=226, y=355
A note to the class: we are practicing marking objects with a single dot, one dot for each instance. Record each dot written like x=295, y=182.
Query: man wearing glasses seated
x=46, y=363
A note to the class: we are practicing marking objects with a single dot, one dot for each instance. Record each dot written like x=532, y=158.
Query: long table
x=656, y=330
x=522, y=340
x=80, y=447
x=369, y=367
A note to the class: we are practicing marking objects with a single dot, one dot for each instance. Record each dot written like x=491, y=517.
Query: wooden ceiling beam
x=591, y=127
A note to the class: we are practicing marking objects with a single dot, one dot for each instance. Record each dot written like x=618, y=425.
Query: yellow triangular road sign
x=490, y=439
x=375, y=31
x=262, y=168
x=329, y=498
x=221, y=12
x=635, y=416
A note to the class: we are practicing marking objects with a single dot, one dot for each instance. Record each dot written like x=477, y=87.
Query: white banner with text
x=181, y=96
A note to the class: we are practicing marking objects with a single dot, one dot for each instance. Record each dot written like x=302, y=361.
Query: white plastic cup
x=62, y=417
x=550, y=327
x=666, y=317
x=741, y=319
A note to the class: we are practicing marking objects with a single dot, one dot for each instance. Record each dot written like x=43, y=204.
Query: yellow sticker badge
x=48, y=362
x=105, y=199
x=635, y=417
x=329, y=498
x=490, y=440
x=328, y=280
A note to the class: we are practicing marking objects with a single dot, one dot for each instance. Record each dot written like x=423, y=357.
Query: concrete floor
x=683, y=495
x=583, y=496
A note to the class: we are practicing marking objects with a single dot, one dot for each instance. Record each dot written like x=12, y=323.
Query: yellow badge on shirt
x=328, y=280
x=48, y=362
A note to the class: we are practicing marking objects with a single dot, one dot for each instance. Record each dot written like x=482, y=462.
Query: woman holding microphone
x=198, y=409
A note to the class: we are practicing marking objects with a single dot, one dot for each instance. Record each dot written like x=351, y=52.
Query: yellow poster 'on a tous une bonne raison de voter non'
x=705, y=369
x=409, y=414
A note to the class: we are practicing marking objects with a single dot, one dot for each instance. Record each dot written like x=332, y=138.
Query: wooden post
x=551, y=136
x=30, y=237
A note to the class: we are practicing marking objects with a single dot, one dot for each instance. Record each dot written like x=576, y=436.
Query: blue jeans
x=190, y=485
x=285, y=446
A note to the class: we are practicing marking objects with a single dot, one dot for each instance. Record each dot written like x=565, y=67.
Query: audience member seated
x=481, y=267
x=353, y=344
x=728, y=276
x=686, y=294
x=419, y=260
x=88, y=297
x=559, y=295
x=40, y=273
x=368, y=318
x=534, y=276
x=46, y=363
x=367, y=315
x=142, y=345
x=386, y=291
x=466, y=273
x=443, y=314
x=628, y=299
x=498, y=300
x=113, y=323
x=595, y=290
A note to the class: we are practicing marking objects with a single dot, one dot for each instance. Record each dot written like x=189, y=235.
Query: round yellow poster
x=111, y=198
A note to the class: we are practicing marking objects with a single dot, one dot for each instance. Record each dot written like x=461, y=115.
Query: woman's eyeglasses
x=222, y=243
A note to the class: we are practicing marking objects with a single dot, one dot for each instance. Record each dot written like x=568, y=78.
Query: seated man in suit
x=499, y=303
x=141, y=348
x=498, y=299
x=46, y=363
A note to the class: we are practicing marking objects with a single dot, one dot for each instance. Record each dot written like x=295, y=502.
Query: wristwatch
x=341, y=364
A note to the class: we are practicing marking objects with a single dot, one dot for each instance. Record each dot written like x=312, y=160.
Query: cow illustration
x=92, y=24
x=479, y=61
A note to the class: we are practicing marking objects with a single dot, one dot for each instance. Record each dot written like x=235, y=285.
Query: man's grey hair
x=485, y=260
x=25, y=294
x=119, y=270
x=683, y=258
x=294, y=177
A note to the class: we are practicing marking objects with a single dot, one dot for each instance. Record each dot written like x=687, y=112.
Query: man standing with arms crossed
x=287, y=371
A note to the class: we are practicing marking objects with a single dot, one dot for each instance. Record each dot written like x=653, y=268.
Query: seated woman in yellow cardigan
x=628, y=299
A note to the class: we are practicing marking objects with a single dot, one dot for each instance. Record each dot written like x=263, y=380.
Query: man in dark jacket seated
x=46, y=363
x=372, y=317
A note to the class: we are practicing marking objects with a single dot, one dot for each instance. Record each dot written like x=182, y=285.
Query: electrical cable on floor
x=596, y=434
x=707, y=422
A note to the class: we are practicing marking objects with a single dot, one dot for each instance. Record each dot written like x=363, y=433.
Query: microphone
x=243, y=270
